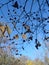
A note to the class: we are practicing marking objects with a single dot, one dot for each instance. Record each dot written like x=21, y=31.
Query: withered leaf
x=24, y=36
x=15, y=5
x=16, y=36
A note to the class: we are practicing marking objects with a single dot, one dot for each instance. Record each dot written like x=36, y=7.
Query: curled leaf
x=2, y=28
x=26, y=26
x=16, y=36
x=15, y=5
x=24, y=36
x=8, y=29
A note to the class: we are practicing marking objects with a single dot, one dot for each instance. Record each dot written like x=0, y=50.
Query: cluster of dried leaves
x=27, y=26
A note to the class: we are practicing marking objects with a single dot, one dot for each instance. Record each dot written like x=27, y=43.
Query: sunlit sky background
x=30, y=50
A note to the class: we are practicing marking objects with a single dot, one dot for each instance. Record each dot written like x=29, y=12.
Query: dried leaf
x=26, y=26
x=2, y=28
x=16, y=5
x=8, y=30
x=24, y=36
x=16, y=36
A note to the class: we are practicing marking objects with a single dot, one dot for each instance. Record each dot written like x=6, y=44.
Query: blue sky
x=30, y=49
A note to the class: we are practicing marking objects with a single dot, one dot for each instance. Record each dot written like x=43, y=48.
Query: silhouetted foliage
x=15, y=5
x=20, y=24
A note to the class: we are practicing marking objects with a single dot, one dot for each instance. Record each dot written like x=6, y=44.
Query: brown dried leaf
x=2, y=28
x=24, y=36
x=16, y=36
